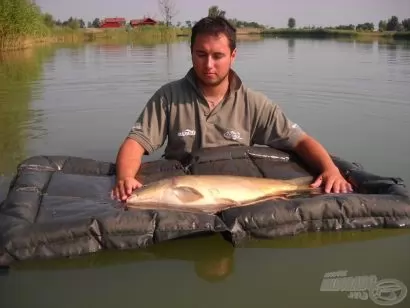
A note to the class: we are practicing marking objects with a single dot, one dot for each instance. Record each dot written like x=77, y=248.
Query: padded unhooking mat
x=60, y=206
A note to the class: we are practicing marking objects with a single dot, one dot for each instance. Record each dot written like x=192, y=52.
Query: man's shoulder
x=254, y=97
x=174, y=86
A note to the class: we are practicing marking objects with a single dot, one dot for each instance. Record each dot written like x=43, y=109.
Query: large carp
x=214, y=193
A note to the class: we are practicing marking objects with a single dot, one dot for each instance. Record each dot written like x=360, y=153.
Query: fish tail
x=311, y=190
x=306, y=190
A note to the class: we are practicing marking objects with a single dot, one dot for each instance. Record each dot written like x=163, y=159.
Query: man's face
x=212, y=58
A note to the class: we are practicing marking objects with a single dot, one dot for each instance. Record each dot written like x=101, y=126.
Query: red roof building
x=117, y=22
x=142, y=22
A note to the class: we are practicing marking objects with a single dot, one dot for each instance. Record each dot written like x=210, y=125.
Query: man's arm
x=273, y=128
x=148, y=134
x=315, y=155
x=127, y=165
x=129, y=158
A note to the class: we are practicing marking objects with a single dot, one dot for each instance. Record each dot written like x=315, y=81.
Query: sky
x=267, y=12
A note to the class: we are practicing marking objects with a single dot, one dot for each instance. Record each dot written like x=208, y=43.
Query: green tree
x=81, y=23
x=96, y=23
x=72, y=23
x=291, y=23
x=382, y=25
x=392, y=24
x=214, y=11
x=367, y=26
x=345, y=27
x=247, y=24
x=49, y=20
x=406, y=24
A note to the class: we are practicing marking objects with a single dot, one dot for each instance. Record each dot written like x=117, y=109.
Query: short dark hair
x=214, y=26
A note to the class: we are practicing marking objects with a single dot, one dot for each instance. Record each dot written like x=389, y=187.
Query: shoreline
x=85, y=35
x=64, y=35
x=332, y=33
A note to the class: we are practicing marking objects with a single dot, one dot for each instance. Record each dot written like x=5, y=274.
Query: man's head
x=213, y=49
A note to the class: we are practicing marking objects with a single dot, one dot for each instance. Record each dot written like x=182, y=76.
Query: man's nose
x=209, y=62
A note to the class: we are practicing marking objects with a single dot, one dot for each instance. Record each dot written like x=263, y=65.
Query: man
x=211, y=107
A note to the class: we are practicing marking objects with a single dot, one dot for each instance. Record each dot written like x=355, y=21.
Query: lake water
x=81, y=100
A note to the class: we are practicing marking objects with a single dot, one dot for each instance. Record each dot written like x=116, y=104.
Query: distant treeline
x=391, y=24
x=72, y=22
x=391, y=27
x=76, y=23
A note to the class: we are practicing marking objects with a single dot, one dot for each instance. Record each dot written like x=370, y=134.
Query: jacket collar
x=235, y=81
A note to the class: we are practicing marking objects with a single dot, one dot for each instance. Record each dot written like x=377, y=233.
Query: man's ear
x=233, y=55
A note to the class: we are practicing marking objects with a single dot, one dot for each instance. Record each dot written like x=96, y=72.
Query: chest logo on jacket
x=187, y=132
x=232, y=135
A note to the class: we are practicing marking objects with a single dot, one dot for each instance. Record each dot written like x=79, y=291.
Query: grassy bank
x=21, y=25
x=401, y=35
x=330, y=33
x=144, y=33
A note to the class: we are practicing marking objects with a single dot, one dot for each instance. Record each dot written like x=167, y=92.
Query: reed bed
x=21, y=24
x=153, y=32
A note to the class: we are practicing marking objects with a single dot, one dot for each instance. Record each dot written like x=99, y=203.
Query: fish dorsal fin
x=187, y=194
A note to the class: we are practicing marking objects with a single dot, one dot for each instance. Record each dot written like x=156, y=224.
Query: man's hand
x=317, y=157
x=127, y=165
x=124, y=188
x=333, y=181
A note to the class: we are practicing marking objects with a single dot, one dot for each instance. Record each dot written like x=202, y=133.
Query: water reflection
x=211, y=256
x=20, y=72
x=364, y=46
x=168, y=60
x=291, y=49
x=145, y=54
x=112, y=50
x=324, y=238
x=391, y=53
